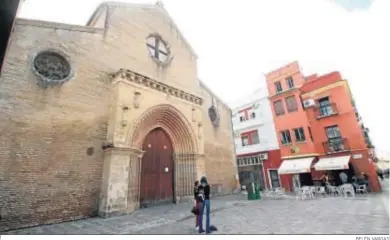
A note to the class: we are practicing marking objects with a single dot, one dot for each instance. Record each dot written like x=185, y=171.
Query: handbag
x=195, y=210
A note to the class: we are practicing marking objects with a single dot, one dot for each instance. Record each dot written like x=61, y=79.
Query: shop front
x=336, y=167
x=251, y=170
x=300, y=171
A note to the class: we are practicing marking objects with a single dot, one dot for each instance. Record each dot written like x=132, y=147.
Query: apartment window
x=245, y=140
x=291, y=103
x=333, y=132
x=255, y=137
x=285, y=137
x=242, y=118
x=299, y=134
x=248, y=161
x=253, y=115
x=278, y=87
x=290, y=82
x=250, y=138
x=279, y=109
x=335, y=142
x=311, y=135
x=325, y=107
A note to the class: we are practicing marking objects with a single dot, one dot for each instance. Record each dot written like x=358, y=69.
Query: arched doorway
x=157, y=173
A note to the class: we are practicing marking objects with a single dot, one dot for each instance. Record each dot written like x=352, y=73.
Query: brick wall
x=47, y=175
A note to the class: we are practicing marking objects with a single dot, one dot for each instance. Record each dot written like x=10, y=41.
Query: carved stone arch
x=172, y=121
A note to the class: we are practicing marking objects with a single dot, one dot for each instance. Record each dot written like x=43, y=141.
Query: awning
x=294, y=166
x=332, y=163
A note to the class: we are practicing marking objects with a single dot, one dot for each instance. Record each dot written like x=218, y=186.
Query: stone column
x=118, y=181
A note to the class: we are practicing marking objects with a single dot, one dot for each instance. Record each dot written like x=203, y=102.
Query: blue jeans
x=204, y=204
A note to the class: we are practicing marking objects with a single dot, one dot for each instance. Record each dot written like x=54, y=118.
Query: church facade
x=106, y=118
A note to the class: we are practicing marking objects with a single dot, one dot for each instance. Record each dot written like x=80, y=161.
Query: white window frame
x=290, y=82
x=277, y=85
x=282, y=134
x=300, y=134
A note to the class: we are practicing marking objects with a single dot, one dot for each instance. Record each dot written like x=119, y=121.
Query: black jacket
x=205, y=190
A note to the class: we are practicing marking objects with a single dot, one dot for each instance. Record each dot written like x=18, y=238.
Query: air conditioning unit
x=256, y=106
x=308, y=103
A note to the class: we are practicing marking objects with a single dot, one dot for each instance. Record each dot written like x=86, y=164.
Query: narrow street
x=236, y=215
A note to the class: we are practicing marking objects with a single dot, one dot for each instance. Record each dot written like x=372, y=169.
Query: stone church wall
x=220, y=163
x=51, y=156
x=51, y=138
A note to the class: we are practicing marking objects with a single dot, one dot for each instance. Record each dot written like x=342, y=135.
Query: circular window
x=157, y=48
x=52, y=66
x=213, y=115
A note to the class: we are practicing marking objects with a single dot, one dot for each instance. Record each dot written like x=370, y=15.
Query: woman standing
x=204, y=202
x=196, y=204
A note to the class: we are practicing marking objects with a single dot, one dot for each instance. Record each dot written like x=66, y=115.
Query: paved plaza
x=235, y=215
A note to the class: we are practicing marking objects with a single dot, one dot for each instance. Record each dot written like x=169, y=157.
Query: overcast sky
x=239, y=41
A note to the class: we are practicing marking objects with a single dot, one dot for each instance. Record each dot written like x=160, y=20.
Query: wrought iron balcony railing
x=336, y=145
x=326, y=110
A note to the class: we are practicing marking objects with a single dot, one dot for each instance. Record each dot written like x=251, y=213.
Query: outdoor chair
x=305, y=193
x=278, y=192
x=313, y=190
x=362, y=189
x=347, y=189
x=320, y=190
x=333, y=191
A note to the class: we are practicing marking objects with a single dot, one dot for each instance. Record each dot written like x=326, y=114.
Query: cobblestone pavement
x=361, y=215
x=235, y=215
x=139, y=220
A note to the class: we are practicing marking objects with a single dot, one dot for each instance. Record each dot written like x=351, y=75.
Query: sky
x=238, y=41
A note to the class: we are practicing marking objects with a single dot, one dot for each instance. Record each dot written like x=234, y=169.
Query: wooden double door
x=157, y=169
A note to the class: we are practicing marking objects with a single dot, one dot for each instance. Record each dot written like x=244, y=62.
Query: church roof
x=158, y=6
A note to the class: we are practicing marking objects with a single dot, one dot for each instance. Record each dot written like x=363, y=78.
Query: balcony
x=326, y=110
x=242, y=150
x=250, y=123
x=336, y=145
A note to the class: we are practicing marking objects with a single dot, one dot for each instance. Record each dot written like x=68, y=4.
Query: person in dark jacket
x=196, y=185
x=204, y=202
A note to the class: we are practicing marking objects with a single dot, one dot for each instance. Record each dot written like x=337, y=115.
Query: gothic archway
x=179, y=131
x=172, y=121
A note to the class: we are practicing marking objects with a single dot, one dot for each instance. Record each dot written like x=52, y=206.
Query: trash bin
x=251, y=190
x=257, y=188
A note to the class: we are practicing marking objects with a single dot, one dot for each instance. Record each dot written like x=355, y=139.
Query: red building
x=318, y=128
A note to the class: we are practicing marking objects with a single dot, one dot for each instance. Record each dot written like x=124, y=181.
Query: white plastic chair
x=333, y=191
x=362, y=189
x=348, y=189
x=321, y=191
x=305, y=193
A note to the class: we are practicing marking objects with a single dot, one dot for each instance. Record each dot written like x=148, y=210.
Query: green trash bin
x=251, y=190
x=257, y=188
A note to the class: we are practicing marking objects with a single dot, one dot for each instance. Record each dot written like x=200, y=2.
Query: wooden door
x=157, y=171
x=274, y=178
